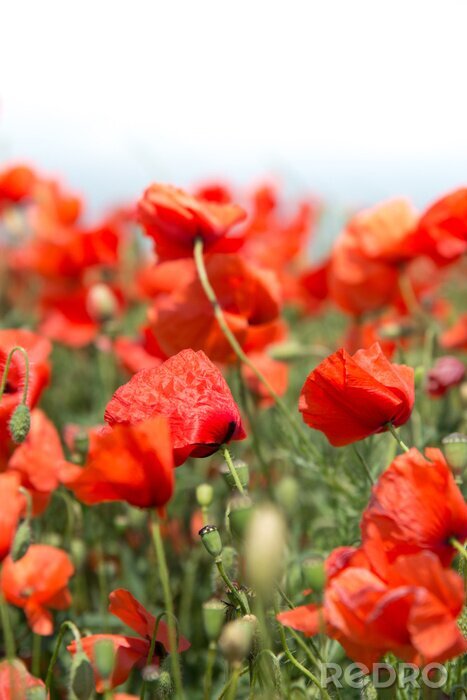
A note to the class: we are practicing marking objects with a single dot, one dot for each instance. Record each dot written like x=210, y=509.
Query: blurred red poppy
x=129, y=651
x=38, y=583
x=16, y=681
x=38, y=460
x=16, y=184
x=447, y=372
x=455, y=338
x=131, y=463
x=141, y=353
x=349, y=397
x=249, y=297
x=416, y=505
x=192, y=393
x=13, y=506
x=174, y=219
x=277, y=374
x=38, y=349
x=413, y=613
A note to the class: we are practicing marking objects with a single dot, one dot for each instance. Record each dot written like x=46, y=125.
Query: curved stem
x=394, y=433
x=63, y=628
x=168, y=602
x=365, y=466
x=232, y=470
x=6, y=369
x=220, y=567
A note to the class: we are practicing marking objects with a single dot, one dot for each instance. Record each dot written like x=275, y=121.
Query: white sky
x=356, y=99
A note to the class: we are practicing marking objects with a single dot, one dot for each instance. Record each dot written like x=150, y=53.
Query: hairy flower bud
x=20, y=422
x=22, y=540
x=81, y=683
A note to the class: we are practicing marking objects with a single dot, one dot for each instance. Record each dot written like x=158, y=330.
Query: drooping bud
x=235, y=640
x=22, y=541
x=204, y=495
x=455, y=450
x=242, y=470
x=314, y=573
x=81, y=684
x=239, y=514
x=265, y=543
x=211, y=540
x=36, y=693
x=213, y=618
x=20, y=422
x=104, y=658
x=101, y=303
x=287, y=492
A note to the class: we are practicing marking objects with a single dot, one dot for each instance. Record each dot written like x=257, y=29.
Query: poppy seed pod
x=314, y=573
x=455, y=450
x=242, y=470
x=235, y=640
x=239, y=514
x=19, y=424
x=81, y=685
x=211, y=540
x=213, y=618
x=204, y=495
x=265, y=547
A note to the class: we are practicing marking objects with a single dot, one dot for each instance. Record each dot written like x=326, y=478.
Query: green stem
x=324, y=694
x=232, y=691
x=7, y=629
x=232, y=470
x=460, y=548
x=36, y=655
x=168, y=602
x=220, y=567
x=229, y=681
x=17, y=348
x=63, y=628
x=212, y=651
x=150, y=655
x=365, y=466
x=233, y=342
x=394, y=433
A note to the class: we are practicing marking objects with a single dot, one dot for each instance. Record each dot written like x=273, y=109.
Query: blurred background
x=354, y=101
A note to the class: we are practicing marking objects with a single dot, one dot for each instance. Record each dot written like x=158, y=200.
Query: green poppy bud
x=204, y=495
x=242, y=470
x=287, y=492
x=81, y=683
x=104, y=658
x=419, y=375
x=211, y=540
x=235, y=640
x=239, y=514
x=314, y=573
x=213, y=618
x=78, y=552
x=22, y=540
x=20, y=422
x=455, y=450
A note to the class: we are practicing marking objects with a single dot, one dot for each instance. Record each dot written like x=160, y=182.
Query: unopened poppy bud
x=314, y=573
x=265, y=547
x=242, y=470
x=104, y=658
x=239, y=514
x=294, y=578
x=163, y=685
x=36, y=693
x=101, y=303
x=211, y=539
x=81, y=677
x=455, y=450
x=235, y=640
x=419, y=376
x=213, y=618
x=20, y=422
x=78, y=552
x=287, y=492
x=204, y=495
x=22, y=540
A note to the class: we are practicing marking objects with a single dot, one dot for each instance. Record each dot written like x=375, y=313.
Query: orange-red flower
x=455, y=338
x=412, y=612
x=38, y=583
x=16, y=184
x=38, y=460
x=277, y=374
x=350, y=397
x=13, y=506
x=131, y=463
x=16, y=681
x=192, y=393
x=249, y=297
x=174, y=219
x=416, y=505
x=38, y=350
x=129, y=651
x=141, y=353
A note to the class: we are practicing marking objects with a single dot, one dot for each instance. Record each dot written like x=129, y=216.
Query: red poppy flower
x=15, y=681
x=141, y=353
x=314, y=286
x=13, y=506
x=193, y=395
x=416, y=505
x=412, y=614
x=441, y=233
x=364, y=335
x=38, y=583
x=455, y=338
x=131, y=463
x=447, y=372
x=38, y=460
x=350, y=397
x=129, y=651
x=38, y=350
x=217, y=192
x=249, y=297
x=16, y=184
x=174, y=219
x=277, y=374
